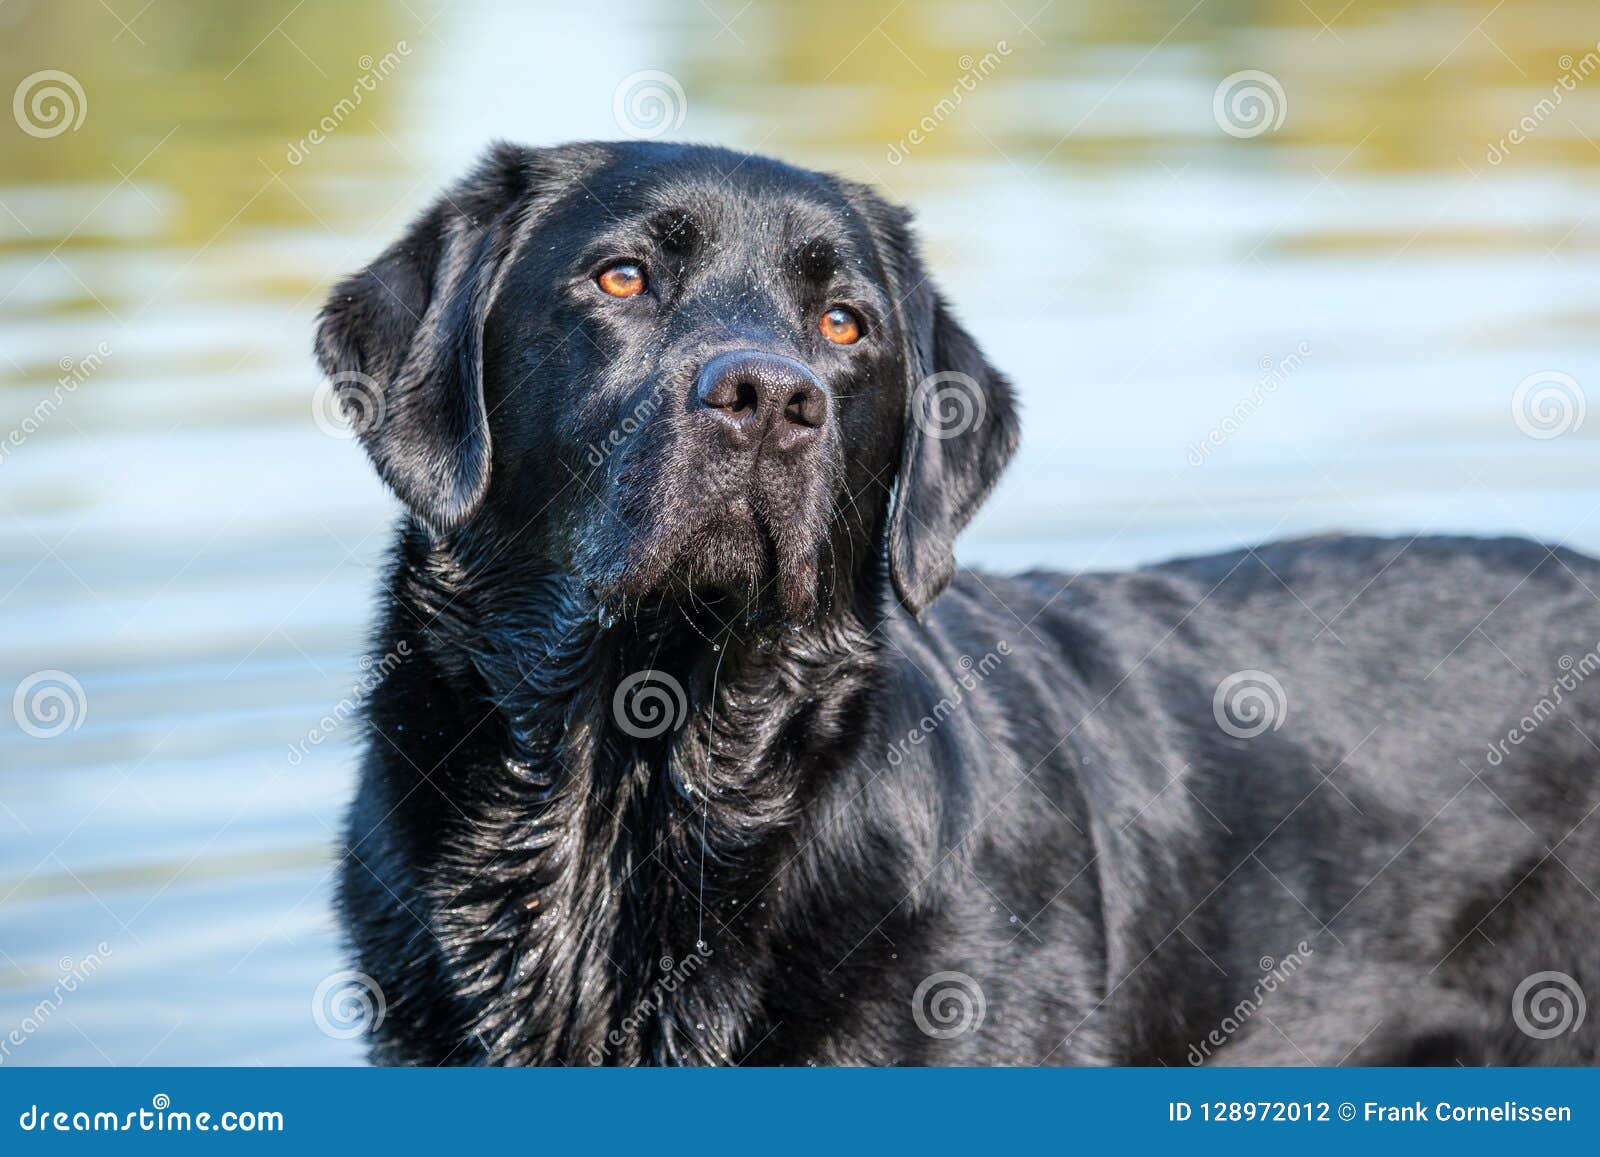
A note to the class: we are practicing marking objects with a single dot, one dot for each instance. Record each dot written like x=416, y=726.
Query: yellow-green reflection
x=222, y=92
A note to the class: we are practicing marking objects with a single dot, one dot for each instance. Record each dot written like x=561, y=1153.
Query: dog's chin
x=731, y=560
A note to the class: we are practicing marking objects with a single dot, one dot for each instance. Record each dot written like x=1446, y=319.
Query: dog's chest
x=607, y=927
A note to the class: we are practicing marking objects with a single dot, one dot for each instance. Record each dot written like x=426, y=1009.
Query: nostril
x=735, y=397
x=806, y=407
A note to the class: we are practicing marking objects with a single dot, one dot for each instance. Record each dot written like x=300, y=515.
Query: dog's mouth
x=762, y=560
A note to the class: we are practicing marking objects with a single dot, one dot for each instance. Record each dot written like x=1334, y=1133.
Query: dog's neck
x=668, y=750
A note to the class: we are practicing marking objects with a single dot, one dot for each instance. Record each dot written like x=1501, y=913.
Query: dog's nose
x=759, y=397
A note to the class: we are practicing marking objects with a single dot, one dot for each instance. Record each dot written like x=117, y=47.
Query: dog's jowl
x=703, y=749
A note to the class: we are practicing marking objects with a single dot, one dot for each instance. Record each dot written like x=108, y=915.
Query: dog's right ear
x=402, y=342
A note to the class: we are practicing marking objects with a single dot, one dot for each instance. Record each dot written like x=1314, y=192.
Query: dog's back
x=1357, y=772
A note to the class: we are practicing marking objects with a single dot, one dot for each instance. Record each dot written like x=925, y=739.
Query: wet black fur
x=770, y=880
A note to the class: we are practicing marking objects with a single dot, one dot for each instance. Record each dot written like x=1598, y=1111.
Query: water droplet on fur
x=605, y=617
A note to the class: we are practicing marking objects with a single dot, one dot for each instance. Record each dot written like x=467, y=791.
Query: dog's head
x=673, y=369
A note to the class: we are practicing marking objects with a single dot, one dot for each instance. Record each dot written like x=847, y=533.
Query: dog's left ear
x=961, y=429
x=960, y=419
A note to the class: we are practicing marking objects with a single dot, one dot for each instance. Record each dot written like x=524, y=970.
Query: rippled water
x=1218, y=336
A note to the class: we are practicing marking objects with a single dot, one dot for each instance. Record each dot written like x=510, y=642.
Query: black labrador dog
x=695, y=746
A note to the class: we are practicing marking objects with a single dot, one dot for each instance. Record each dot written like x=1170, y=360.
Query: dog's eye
x=624, y=279
x=840, y=326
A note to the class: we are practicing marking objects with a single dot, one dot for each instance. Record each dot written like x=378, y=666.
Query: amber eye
x=624, y=279
x=840, y=326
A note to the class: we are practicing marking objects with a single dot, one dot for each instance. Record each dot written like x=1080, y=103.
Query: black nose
x=758, y=397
